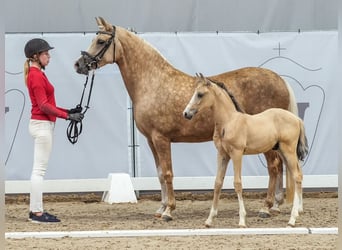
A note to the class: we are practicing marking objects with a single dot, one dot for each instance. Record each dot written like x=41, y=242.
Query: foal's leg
x=222, y=163
x=296, y=174
x=297, y=206
x=237, y=162
x=275, y=195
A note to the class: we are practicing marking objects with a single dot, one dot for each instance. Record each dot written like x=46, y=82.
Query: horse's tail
x=293, y=108
x=302, y=145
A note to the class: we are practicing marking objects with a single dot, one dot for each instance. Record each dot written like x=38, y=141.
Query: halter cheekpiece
x=94, y=60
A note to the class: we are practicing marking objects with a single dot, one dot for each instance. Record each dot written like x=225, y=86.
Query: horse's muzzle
x=86, y=63
x=81, y=67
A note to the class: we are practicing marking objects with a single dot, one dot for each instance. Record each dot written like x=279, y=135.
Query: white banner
x=305, y=60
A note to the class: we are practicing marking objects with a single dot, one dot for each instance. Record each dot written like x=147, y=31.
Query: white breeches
x=42, y=133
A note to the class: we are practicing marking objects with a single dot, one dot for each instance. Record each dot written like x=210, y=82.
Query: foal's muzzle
x=188, y=114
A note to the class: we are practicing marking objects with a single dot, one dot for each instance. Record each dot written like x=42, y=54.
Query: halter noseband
x=92, y=61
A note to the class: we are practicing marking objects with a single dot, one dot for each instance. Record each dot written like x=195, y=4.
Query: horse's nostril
x=77, y=64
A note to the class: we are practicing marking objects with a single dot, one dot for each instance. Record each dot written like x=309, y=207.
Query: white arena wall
x=306, y=60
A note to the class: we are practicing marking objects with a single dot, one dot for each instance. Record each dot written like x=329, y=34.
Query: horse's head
x=200, y=99
x=101, y=50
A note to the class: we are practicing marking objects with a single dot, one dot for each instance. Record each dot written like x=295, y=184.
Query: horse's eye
x=100, y=41
x=200, y=95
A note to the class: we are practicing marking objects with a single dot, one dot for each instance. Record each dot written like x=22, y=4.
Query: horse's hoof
x=166, y=218
x=207, y=225
x=157, y=215
x=290, y=225
x=264, y=215
x=242, y=226
x=275, y=210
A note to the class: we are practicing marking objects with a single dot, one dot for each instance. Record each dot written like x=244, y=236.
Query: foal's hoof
x=264, y=215
x=166, y=218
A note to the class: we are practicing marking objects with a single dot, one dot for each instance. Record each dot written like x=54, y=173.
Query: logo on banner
x=14, y=109
x=310, y=97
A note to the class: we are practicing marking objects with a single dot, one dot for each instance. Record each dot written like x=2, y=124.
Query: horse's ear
x=201, y=75
x=103, y=24
x=197, y=75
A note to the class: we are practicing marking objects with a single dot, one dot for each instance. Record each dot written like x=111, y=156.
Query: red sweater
x=42, y=97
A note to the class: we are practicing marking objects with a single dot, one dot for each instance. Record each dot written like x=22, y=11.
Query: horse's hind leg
x=222, y=163
x=279, y=188
x=275, y=194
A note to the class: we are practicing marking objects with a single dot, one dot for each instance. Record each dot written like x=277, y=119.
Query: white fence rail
x=152, y=184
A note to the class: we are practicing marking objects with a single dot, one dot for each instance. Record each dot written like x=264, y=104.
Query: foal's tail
x=302, y=145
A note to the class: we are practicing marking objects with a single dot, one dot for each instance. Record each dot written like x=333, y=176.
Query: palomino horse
x=237, y=134
x=159, y=93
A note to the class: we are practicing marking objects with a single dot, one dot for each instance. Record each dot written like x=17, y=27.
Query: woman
x=43, y=117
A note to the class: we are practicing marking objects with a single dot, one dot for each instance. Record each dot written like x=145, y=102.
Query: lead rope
x=74, y=128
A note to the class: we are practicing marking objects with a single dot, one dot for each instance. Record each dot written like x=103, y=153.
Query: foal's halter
x=92, y=61
x=75, y=128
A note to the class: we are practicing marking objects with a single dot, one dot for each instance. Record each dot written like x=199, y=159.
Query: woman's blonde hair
x=26, y=69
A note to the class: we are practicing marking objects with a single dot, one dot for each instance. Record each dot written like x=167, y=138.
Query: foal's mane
x=232, y=97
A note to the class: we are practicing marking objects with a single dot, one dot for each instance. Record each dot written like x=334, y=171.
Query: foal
x=237, y=134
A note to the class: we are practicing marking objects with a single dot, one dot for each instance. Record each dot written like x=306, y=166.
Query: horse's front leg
x=162, y=146
x=163, y=190
x=275, y=194
x=222, y=163
x=237, y=163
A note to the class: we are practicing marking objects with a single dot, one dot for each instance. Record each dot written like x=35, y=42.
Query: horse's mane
x=232, y=97
x=146, y=46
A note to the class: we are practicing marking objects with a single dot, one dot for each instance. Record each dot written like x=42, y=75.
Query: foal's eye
x=100, y=41
x=200, y=95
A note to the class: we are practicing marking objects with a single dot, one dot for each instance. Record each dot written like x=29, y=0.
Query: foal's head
x=201, y=98
x=205, y=96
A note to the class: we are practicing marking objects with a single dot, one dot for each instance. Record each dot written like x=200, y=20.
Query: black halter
x=92, y=61
x=75, y=128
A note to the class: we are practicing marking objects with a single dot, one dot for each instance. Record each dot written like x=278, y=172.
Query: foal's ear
x=199, y=75
x=103, y=24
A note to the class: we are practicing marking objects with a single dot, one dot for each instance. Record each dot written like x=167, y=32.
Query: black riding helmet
x=35, y=46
